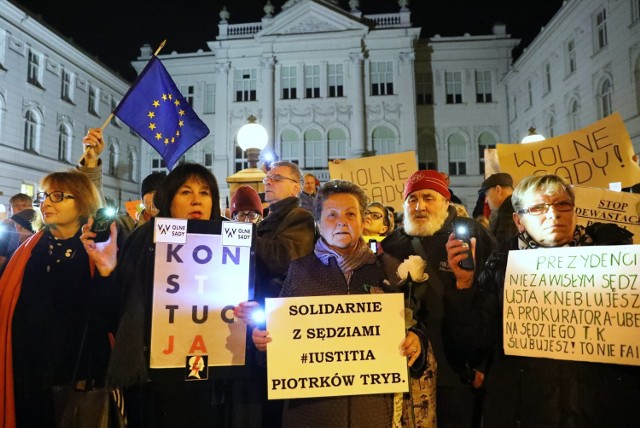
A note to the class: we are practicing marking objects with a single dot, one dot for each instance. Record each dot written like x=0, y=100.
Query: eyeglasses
x=55, y=197
x=244, y=215
x=277, y=178
x=539, y=209
x=374, y=215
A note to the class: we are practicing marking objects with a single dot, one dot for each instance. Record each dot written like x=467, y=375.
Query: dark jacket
x=308, y=276
x=307, y=201
x=501, y=222
x=533, y=392
x=452, y=362
x=287, y=233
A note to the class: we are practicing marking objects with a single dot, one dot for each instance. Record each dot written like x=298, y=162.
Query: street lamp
x=252, y=137
x=532, y=137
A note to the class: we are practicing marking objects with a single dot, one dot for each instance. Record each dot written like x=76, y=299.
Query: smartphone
x=373, y=245
x=462, y=233
x=102, y=224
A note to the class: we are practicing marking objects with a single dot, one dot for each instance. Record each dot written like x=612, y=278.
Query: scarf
x=580, y=238
x=359, y=256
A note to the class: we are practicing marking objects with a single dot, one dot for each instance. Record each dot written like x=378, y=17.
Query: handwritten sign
x=381, y=177
x=574, y=303
x=593, y=156
x=335, y=345
x=607, y=206
x=195, y=287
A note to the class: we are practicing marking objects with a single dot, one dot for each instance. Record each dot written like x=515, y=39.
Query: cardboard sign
x=327, y=346
x=170, y=230
x=593, y=156
x=574, y=303
x=381, y=177
x=134, y=208
x=607, y=206
x=195, y=287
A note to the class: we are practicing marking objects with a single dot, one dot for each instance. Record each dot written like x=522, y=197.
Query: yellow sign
x=381, y=177
x=574, y=303
x=607, y=206
x=593, y=156
x=326, y=346
x=133, y=208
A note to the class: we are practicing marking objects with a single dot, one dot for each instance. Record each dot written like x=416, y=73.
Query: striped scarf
x=359, y=256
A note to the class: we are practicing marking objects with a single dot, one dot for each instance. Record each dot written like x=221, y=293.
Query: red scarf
x=10, y=286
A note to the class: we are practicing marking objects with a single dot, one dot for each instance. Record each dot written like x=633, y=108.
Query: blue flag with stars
x=157, y=111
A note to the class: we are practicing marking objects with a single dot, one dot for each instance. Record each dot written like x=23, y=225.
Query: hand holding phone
x=462, y=233
x=102, y=224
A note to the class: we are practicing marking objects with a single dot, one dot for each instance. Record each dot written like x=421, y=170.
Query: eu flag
x=157, y=111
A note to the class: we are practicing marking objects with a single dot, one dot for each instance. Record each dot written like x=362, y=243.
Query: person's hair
x=151, y=182
x=335, y=187
x=295, y=169
x=20, y=197
x=461, y=210
x=85, y=193
x=308, y=174
x=542, y=184
x=176, y=178
x=385, y=215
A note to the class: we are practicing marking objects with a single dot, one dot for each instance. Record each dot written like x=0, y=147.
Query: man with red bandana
x=429, y=219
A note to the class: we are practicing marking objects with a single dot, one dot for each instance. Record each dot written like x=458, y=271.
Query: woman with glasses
x=376, y=220
x=50, y=287
x=525, y=391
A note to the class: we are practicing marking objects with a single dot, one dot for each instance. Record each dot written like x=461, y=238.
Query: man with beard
x=428, y=221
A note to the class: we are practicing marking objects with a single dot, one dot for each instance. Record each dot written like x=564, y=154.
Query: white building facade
x=51, y=92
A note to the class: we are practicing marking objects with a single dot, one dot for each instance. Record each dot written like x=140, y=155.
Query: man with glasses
x=525, y=391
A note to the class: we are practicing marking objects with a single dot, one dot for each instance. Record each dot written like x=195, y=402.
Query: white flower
x=415, y=266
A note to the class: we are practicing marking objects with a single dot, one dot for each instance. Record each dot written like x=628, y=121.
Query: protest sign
x=606, y=206
x=335, y=345
x=381, y=177
x=594, y=156
x=573, y=303
x=133, y=208
x=195, y=287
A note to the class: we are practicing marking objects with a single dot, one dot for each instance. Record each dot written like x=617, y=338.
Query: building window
x=28, y=189
x=601, y=29
x=210, y=98
x=551, y=127
x=571, y=57
x=112, y=163
x=31, y=131
x=486, y=140
x=453, y=85
x=312, y=81
x=158, y=165
x=188, y=92
x=547, y=78
x=115, y=121
x=207, y=160
x=3, y=48
x=605, y=99
x=34, y=70
x=290, y=146
x=289, y=82
x=241, y=159
x=245, y=84
x=457, y=155
x=483, y=87
x=514, y=110
x=381, y=74
x=424, y=89
x=133, y=165
x=337, y=144
x=66, y=89
x=335, y=79
x=315, y=150
x=94, y=100
x=635, y=10
x=529, y=93
x=384, y=140
x=64, y=143
x=574, y=115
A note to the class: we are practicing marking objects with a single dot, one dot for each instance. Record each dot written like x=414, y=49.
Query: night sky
x=113, y=31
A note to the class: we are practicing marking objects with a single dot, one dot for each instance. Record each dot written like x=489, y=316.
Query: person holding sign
x=342, y=263
x=159, y=397
x=526, y=391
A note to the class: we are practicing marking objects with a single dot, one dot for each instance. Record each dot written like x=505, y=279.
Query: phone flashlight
x=462, y=233
x=259, y=318
x=101, y=223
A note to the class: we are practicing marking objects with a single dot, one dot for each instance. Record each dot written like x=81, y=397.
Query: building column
x=358, y=120
x=267, y=118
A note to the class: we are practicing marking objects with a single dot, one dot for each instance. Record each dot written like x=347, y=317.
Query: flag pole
x=106, y=122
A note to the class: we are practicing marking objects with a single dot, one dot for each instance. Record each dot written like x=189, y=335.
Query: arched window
x=31, y=131
x=457, y=154
x=64, y=143
x=606, y=102
x=551, y=126
x=574, y=115
x=486, y=140
x=384, y=140
x=133, y=165
x=315, y=150
x=112, y=164
x=337, y=144
x=290, y=146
